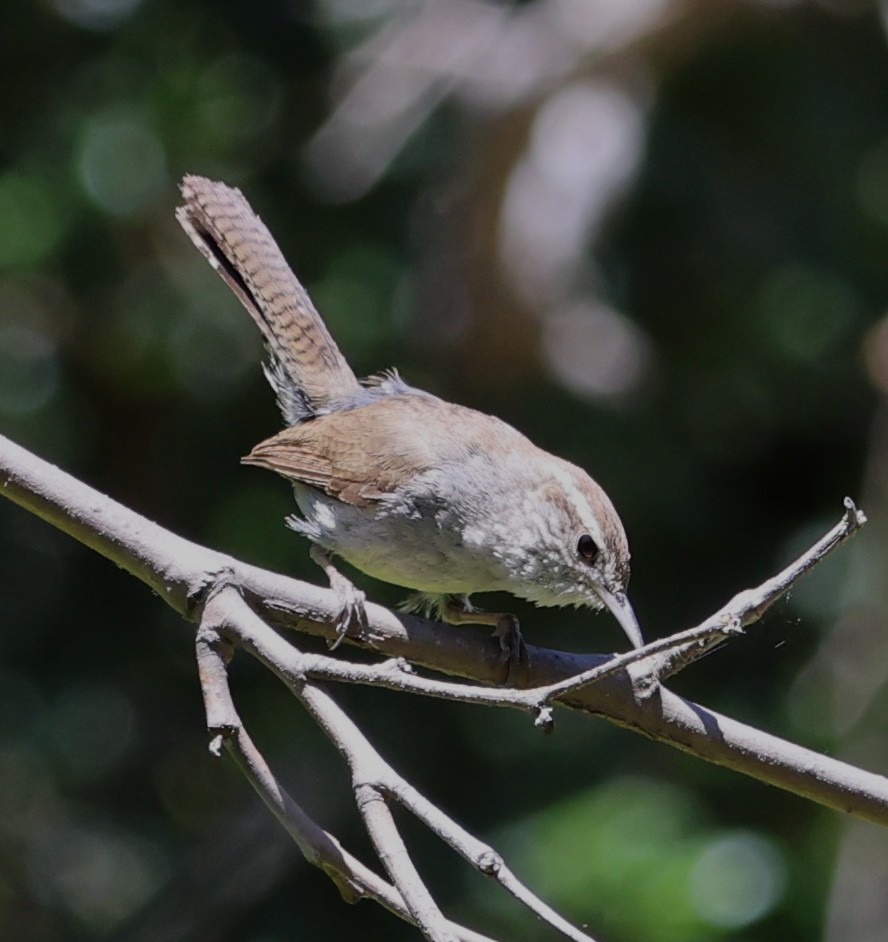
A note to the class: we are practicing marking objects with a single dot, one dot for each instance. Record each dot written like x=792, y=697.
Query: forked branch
x=375, y=782
x=224, y=593
x=319, y=847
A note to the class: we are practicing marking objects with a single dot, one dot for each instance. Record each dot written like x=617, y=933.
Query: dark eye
x=587, y=548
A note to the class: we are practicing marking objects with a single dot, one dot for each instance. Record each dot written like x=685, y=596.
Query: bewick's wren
x=406, y=487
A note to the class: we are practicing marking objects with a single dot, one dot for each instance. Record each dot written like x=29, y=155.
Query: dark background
x=651, y=235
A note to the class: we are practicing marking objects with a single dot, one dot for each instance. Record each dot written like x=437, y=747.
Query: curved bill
x=622, y=611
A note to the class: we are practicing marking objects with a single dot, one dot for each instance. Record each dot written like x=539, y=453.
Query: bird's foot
x=458, y=610
x=352, y=611
x=511, y=642
x=350, y=599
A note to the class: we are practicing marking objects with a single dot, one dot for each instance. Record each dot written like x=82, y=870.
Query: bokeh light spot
x=122, y=164
x=96, y=14
x=586, y=143
x=28, y=369
x=806, y=311
x=738, y=878
x=595, y=351
x=97, y=876
x=227, y=350
x=582, y=852
x=875, y=353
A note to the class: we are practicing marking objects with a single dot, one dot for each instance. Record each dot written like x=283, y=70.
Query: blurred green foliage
x=749, y=249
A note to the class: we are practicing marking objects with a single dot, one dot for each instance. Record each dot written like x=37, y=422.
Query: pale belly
x=406, y=546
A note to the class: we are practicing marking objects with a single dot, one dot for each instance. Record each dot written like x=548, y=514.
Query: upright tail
x=306, y=369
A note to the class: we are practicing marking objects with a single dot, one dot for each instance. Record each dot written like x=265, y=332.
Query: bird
x=411, y=489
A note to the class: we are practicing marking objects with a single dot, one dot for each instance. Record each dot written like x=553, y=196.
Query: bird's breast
x=400, y=539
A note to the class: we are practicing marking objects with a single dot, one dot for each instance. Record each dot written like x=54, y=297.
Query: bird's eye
x=587, y=548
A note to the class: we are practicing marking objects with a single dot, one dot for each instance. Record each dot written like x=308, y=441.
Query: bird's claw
x=512, y=646
x=352, y=612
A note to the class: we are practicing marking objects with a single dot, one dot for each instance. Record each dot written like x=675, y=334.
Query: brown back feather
x=358, y=455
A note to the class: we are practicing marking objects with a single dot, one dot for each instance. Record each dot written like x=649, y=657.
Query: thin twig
x=743, y=609
x=181, y=572
x=318, y=846
x=369, y=767
x=480, y=855
x=749, y=606
x=389, y=845
x=374, y=778
x=682, y=648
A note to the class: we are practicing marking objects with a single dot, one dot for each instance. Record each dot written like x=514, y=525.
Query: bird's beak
x=622, y=611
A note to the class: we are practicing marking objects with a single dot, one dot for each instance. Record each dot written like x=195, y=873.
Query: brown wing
x=358, y=455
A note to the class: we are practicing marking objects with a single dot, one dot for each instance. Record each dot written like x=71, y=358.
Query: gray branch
x=319, y=847
x=373, y=779
x=625, y=689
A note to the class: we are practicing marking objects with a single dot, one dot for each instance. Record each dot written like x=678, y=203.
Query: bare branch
x=371, y=771
x=481, y=856
x=745, y=608
x=319, y=847
x=749, y=606
x=390, y=847
x=373, y=778
x=181, y=573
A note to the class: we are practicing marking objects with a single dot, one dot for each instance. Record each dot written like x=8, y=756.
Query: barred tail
x=306, y=369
